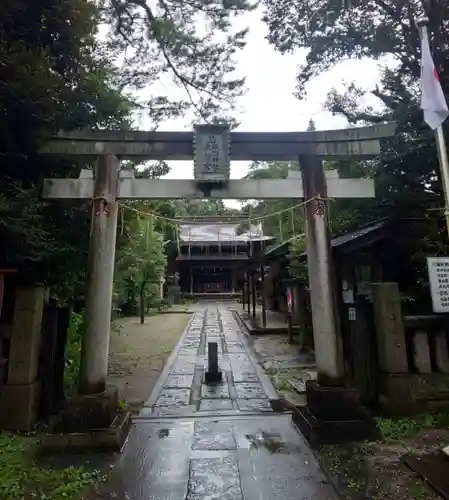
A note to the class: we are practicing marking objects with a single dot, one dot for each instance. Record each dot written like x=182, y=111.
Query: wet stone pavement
x=194, y=441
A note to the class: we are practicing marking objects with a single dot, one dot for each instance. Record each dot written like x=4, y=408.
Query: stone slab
x=245, y=390
x=188, y=351
x=179, y=381
x=215, y=404
x=215, y=391
x=433, y=469
x=245, y=376
x=235, y=348
x=213, y=436
x=173, y=397
x=169, y=411
x=272, y=461
x=254, y=405
x=204, y=483
x=183, y=366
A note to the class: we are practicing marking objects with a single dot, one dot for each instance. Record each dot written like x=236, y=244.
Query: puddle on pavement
x=163, y=433
x=263, y=441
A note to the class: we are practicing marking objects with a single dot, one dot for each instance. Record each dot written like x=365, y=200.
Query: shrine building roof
x=215, y=232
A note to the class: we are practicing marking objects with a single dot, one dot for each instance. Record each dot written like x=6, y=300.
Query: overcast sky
x=269, y=104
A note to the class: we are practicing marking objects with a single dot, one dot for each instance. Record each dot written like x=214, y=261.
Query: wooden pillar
x=253, y=293
x=328, y=349
x=95, y=346
x=264, y=304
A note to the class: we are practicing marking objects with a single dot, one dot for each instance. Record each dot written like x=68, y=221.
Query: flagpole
x=440, y=140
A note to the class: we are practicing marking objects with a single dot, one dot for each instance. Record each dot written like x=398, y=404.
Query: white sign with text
x=439, y=283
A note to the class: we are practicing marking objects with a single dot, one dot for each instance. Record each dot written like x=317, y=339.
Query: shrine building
x=210, y=254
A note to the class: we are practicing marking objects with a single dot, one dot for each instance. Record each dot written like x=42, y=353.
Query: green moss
x=23, y=478
x=404, y=428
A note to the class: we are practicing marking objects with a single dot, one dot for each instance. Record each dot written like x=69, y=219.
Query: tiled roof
x=363, y=231
x=220, y=232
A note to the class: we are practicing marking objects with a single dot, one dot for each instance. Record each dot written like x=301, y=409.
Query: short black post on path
x=213, y=373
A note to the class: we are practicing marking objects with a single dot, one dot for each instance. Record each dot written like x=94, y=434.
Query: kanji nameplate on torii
x=211, y=153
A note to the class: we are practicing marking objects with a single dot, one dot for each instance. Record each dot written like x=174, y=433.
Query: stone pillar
x=442, y=352
x=328, y=349
x=299, y=313
x=296, y=313
x=95, y=347
x=391, y=347
x=421, y=352
x=396, y=392
x=19, y=397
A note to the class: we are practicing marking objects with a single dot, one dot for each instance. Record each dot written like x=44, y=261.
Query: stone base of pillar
x=396, y=396
x=89, y=422
x=174, y=294
x=19, y=405
x=403, y=394
x=334, y=415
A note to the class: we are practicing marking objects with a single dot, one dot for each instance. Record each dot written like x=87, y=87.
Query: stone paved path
x=196, y=442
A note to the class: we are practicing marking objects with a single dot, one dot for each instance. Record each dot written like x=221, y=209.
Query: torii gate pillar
x=328, y=346
x=100, y=278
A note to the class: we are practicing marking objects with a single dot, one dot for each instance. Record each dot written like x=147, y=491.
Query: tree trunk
x=142, y=305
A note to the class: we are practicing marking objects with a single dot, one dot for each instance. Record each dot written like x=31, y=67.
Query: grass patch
x=73, y=352
x=23, y=478
x=403, y=428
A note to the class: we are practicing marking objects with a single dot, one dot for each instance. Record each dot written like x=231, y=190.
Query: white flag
x=433, y=102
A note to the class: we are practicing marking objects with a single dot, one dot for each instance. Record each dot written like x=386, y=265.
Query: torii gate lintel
x=130, y=188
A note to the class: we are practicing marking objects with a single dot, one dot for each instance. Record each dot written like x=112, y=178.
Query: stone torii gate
x=211, y=147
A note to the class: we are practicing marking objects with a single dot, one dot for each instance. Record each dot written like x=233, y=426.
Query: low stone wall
x=20, y=394
x=413, y=355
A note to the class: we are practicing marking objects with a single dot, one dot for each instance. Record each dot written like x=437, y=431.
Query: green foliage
x=73, y=351
x=404, y=428
x=297, y=266
x=22, y=477
x=288, y=226
x=54, y=74
x=140, y=262
x=407, y=171
x=165, y=38
x=282, y=226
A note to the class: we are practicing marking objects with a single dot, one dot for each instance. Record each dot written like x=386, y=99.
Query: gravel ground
x=138, y=354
